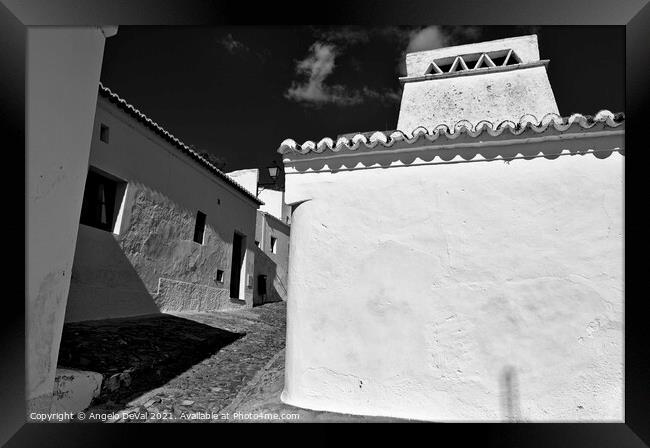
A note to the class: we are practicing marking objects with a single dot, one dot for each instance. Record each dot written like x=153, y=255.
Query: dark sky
x=239, y=91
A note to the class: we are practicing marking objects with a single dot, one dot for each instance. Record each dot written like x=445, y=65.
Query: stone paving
x=222, y=367
x=159, y=368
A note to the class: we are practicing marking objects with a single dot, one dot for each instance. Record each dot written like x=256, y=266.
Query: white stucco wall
x=479, y=95
x=495, y=97
x=274, y=204
x=273, y=199
x=458, y=290
x=104, y=282
x=63, y=67
x=156, y=228
x=247, y=178
x=274, y=265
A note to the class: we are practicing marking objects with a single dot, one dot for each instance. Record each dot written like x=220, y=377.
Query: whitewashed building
x=161, y=229
x=272, y=232
x=467, y=266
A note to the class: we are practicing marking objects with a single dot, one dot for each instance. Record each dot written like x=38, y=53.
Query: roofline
x=447, y=146
x=527, y=126
x=115, y=99
x=267, y=214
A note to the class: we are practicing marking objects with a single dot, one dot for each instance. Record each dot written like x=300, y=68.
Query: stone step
x=74, y=390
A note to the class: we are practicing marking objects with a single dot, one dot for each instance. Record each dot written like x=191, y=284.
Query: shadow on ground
x=138, y=354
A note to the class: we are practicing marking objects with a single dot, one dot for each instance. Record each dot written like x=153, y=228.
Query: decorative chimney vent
x=496, y=81
x=473, y=61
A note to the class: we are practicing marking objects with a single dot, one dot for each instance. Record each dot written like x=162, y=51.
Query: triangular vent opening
x=484, y=62
x=433, y=69
x=512, y=59
x=459, y=65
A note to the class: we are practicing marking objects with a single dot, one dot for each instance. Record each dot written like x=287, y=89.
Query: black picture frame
x=634, y=15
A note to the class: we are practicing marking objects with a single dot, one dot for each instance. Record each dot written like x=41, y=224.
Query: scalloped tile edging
x=463, y=127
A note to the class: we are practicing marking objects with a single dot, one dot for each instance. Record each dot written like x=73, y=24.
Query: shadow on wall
x=384, y=157
x=104, y=283
x=265, y=266
x=138, y=354
x=159, y=236
x=510, y=395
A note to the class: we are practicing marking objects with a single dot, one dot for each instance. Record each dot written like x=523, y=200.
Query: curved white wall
x=470, y=291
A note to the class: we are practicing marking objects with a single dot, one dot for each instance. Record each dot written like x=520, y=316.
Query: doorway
x=237, y=265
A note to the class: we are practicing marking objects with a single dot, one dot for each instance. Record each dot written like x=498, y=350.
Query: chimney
x=496, y=81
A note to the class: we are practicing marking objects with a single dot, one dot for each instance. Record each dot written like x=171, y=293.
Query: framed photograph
x=368, y=213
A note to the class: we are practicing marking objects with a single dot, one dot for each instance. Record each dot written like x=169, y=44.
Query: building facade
x=272, y=232
x=458, y=270
x=160, y=229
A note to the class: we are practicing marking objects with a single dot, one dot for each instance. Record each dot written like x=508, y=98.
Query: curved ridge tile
x=397, y=136
x=378, y=137
x=525, y=123
x=324, y=143
x=359, y=138
x=462, y=126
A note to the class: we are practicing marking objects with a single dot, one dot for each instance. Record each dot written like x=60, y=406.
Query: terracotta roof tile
x=155, y=127
x=463, y=130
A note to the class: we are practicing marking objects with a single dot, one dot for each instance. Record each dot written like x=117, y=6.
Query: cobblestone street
x=175, y=364
x=160, y=368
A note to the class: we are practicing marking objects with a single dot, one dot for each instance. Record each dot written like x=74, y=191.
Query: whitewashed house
x=467, y=266
x=272, y=232
x=161, y=229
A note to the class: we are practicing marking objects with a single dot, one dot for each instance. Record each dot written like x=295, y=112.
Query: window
x=103, y=196
x=274, y=245
x=219, y=276
x=199, y=227
x=103, y=133
x=257, y=244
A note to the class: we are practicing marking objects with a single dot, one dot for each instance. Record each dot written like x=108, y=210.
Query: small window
x=199, y=227
x=101, y=201
x=257, y=244
x=219, y=276
x=274, y=245
x=103, y=133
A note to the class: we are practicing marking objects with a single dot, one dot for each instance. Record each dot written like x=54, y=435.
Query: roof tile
x=155, y=127
x=462, y=129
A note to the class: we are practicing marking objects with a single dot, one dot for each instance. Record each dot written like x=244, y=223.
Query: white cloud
x=427, y=39
x=320, y=62
x=313, y=90
x=316, y=68
x=233, y=45
x=432, y=37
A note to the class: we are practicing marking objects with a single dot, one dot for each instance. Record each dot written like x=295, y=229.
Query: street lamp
x=274, y=172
